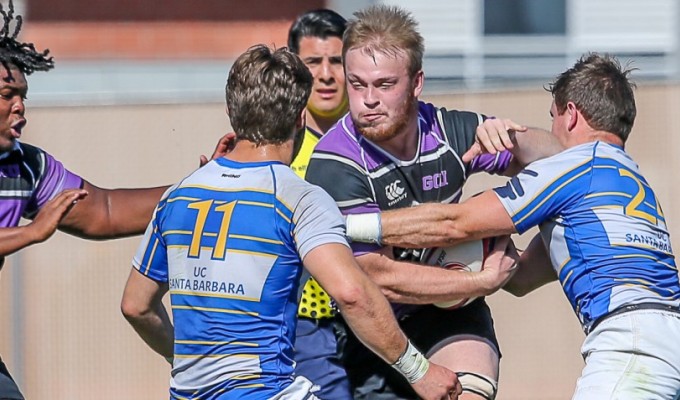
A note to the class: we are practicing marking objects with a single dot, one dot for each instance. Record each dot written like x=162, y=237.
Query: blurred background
x=138, y=94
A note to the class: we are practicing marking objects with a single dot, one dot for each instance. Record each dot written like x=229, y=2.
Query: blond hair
x=389, y=30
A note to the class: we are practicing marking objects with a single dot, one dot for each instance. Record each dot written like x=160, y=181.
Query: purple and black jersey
x=362, y=177
x=29, y=177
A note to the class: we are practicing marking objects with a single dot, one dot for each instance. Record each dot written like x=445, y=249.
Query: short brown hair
x=601, y=91
x=266, y=92
x=386, y=29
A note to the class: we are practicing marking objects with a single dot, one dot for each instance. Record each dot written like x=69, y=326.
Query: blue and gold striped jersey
x=602, y=224
x=229, y=240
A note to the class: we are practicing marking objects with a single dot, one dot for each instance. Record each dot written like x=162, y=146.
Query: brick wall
x=166, y=10
x=176, y=29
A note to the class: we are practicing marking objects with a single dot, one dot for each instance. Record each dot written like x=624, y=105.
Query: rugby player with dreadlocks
x=36, y=186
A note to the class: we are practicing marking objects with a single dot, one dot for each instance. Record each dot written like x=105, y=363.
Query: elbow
x=517, y=292
x=349, y=296
x=132, y=310
x=518, y=289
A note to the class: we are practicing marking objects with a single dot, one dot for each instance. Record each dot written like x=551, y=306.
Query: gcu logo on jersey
x=435, y=181
x=394, y=192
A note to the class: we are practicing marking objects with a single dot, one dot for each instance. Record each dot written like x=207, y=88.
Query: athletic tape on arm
x=364, y=228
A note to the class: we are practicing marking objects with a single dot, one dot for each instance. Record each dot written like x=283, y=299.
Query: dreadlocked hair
x=23, y=56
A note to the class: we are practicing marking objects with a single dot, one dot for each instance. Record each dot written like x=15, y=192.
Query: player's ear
x=418, y=82
x=301, y=120
x=574, y=115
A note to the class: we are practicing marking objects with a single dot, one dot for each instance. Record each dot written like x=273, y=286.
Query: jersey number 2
x=633, y=207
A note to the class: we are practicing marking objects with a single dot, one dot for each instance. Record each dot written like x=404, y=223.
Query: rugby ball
x=468, y=256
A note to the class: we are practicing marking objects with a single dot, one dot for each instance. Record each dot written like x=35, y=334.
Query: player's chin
x=377, y=133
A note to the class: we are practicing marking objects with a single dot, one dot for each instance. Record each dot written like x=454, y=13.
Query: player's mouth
x=372, y=117
x=17, y=127
x=326, y=94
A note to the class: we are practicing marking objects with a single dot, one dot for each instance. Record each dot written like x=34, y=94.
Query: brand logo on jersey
x=514, y=188
x=435, y=181
x=231, y=175
x=394, y=192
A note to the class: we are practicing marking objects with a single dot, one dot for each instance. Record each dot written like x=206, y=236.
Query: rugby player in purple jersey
x=392, y=151
x=36, y=186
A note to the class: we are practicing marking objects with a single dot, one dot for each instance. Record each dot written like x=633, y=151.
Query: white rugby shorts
x=633, y=355
x=300, y=389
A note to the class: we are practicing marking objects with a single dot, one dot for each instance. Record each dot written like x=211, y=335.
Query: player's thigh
x=468, y=353
x=630, y=356
x=476, y=361
x=463, y=340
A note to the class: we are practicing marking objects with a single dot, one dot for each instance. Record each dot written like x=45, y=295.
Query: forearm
x=155, y=328
x=363, y=306
x=14, y=239
x=413, y=283
x=426, y=225
x=365, y=309
x=531, y=145
x=534, y=270
x=372, y=321
x=437, y=225
x=142, y=306
x=112, y=213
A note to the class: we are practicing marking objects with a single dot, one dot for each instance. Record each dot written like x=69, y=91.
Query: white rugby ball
x=468, y=256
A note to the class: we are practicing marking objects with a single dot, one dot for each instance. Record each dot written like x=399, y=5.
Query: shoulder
x=341, y=139
x=39, y=161
x=337, y=156
x=458, y=118
x=459, y=127
x=289, y=184
x=30, y=149
x=32, y=153
x=568, y=158
x=565, y=169
x=296, y=192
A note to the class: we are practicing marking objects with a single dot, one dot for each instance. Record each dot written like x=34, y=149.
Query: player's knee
x=481, y=385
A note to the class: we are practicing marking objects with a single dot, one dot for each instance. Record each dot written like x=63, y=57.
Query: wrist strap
x=412, y=364
x=364, y=228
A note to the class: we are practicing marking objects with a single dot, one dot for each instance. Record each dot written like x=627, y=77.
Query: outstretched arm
x=439, y=225
x=44, y=223
x=111, y=213
x=142, y=307
x=414, y=283
x=369, y=315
